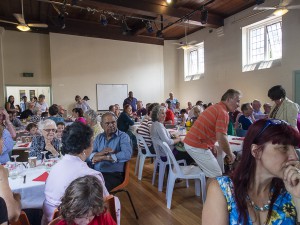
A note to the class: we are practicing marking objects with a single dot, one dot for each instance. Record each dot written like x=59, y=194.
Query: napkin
x=24, y=145
x=42, y=177
x=238, y=139
x=233, y=143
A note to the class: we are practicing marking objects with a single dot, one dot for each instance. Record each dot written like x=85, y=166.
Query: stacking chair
x=55, y=214
x=23, y=220
x=111, y=207
x=121, y=187
x=55, y=221
x=162, y=167
x=182, y=172
x=140, y=160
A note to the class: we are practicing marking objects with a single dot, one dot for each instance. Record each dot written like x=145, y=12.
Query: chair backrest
x=126, y=179
x=111, y=207
x=23, y=220
x=55, y=221
x=171, y=157
x=142, y=142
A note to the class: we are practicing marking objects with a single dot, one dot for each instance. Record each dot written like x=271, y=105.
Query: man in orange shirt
x=211, y=126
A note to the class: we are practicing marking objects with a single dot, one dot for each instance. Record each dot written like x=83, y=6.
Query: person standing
x=23, y=103
x=82, y=104
x=284, y=108
x=130, y=101
x=211, y=126
x=41, y=104
x=172, y=100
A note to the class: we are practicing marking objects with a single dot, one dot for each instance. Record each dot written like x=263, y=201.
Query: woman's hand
x=291, y=178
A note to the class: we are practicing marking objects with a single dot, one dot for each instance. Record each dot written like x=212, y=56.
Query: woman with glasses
x=45, y=142
x=265, y=187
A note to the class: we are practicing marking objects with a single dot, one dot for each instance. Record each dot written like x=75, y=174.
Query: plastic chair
x=183, y=172
x=162, y=167
x=140, y=161
x=111, y=208
x=23, y=220
x=121, y=187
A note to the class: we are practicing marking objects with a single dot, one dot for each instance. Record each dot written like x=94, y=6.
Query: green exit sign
x=27, y=74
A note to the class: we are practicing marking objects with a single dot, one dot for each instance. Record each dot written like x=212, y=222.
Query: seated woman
x=265, y=187
x=91, y=120
x=124, y=121
x=76, y=147
x=144, y=129
x=45, y=142
x=77, y=113
x=160, y=134
x=9, y=105
x=82, y=203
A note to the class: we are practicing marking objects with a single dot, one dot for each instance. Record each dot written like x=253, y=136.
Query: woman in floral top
x=265, y=188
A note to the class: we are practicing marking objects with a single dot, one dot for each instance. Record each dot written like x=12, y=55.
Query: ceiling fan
x=280, y=9
x=22, y=25
x=185, y=44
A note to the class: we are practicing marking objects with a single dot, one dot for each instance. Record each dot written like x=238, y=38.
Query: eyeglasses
x=108, y=123
x=268, y=123
x=48, y=130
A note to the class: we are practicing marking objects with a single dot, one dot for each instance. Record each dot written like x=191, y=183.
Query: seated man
x=246, y=119
x=28, y=112
x=14, y=120
x=257, y=113
x=111, y=150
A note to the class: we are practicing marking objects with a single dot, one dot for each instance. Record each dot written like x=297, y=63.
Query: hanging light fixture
x=280, y=11
x=168, y=1
x=22, y=27
x=103, y=20
x=125, y=29
x=149, y=27
x=204, y=16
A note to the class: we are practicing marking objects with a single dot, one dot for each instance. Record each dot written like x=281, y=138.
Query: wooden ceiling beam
x=82, y=28
x=153, y=10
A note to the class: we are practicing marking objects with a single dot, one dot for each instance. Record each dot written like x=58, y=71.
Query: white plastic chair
x=162, y=167
x=183, y=172
x=140, y=161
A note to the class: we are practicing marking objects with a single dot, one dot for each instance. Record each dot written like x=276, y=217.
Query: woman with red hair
x=265, y=187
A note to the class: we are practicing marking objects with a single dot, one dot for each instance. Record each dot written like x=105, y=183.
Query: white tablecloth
x=32, y=192
x=236, y=145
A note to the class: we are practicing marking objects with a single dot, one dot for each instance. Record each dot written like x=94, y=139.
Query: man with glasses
x=211, y=126
x=111, y=150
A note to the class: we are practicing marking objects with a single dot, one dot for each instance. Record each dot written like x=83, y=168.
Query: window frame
x=266, y=62
x=200, y=61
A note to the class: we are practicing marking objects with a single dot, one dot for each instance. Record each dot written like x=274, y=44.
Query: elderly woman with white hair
x=45, y=142
x=160, y=134
x=91, y=118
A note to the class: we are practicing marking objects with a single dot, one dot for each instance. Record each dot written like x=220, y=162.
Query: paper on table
x=42, y=177
x=234, y=143
x=238, y=139
x=24, y=145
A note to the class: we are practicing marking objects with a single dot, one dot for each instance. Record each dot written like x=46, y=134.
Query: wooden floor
x=151, y=205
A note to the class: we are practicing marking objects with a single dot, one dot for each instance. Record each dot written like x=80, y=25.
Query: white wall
x=79, y=63
x=223, y=62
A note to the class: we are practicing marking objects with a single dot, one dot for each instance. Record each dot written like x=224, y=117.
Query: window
x=262, y=44
x=194, y=62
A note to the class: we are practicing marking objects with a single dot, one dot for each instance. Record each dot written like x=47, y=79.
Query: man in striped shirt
x=211, y=126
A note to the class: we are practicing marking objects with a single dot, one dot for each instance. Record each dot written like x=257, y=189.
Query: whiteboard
x=110, y=94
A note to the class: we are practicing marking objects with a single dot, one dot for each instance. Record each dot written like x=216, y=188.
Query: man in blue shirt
x=246, y=119
x=110, y=152
x=130, y=101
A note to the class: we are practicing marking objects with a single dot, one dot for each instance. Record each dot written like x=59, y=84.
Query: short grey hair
x=108, y=114
x=47, y=123
x=156, y=111
x=91, y=114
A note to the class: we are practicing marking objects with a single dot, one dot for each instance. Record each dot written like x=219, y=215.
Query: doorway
x=30, y=91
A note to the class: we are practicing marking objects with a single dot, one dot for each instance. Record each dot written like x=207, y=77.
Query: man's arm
x=12, y=200
x=224, y=145
x=126, y=150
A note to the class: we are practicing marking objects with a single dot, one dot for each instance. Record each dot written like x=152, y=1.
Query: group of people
x=264, y=188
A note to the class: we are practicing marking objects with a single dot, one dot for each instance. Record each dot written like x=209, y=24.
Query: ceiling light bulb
x=280, y=12
x=23, y=27
x=169, y=1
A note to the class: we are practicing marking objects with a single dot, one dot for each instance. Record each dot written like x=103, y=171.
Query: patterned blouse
x=283, y=212
x=38, y=145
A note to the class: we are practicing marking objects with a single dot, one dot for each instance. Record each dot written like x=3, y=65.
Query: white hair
x=47, y=123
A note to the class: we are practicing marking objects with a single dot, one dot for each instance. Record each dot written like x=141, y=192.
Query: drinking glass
x=15, y=159
x=44, y=156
